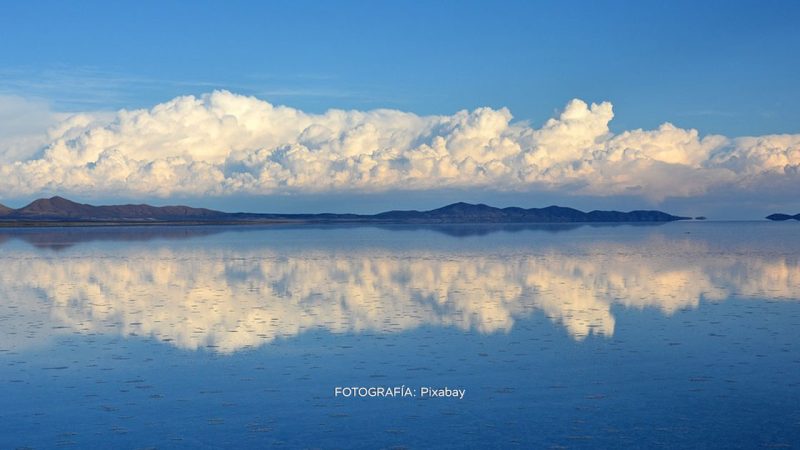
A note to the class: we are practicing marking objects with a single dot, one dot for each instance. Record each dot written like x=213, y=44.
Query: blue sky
x=720, y=67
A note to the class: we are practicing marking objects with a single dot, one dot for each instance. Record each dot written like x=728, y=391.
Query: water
x=679, y=335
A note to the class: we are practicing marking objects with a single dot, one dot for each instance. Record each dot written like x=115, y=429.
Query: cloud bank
x=226, y=144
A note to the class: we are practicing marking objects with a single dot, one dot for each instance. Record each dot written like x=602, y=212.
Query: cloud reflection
x=231, y=299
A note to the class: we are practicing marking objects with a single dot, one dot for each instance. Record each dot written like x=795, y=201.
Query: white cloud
x=222, y=143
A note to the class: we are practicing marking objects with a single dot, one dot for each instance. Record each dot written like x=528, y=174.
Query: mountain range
x=59, y=209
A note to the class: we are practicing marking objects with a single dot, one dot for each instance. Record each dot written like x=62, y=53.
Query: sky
x=303, y=106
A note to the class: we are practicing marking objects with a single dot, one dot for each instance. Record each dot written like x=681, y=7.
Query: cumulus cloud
x=223, y=143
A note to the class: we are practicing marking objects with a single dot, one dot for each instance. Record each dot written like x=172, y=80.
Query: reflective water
x=683, y=334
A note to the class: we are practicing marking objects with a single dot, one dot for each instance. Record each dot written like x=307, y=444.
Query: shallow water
x=677, y=335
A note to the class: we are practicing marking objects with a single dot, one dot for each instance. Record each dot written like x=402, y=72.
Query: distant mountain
x=58, y=209
x=780, y=217
x=469, y=213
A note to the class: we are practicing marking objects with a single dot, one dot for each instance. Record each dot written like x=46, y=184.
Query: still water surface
x=678, y=335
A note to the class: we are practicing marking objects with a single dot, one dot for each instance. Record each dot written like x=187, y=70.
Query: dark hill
x=468, y=213
x=55, y=207
x=780, y=217
x=58, y=208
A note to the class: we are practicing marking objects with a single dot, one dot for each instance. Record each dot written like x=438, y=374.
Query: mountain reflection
x=59, y=238
x=229, y=299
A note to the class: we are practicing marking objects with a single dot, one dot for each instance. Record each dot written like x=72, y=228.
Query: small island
x=60, y=211
x=779, y=217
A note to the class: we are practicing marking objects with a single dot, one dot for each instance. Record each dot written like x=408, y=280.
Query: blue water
x=679, y=335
